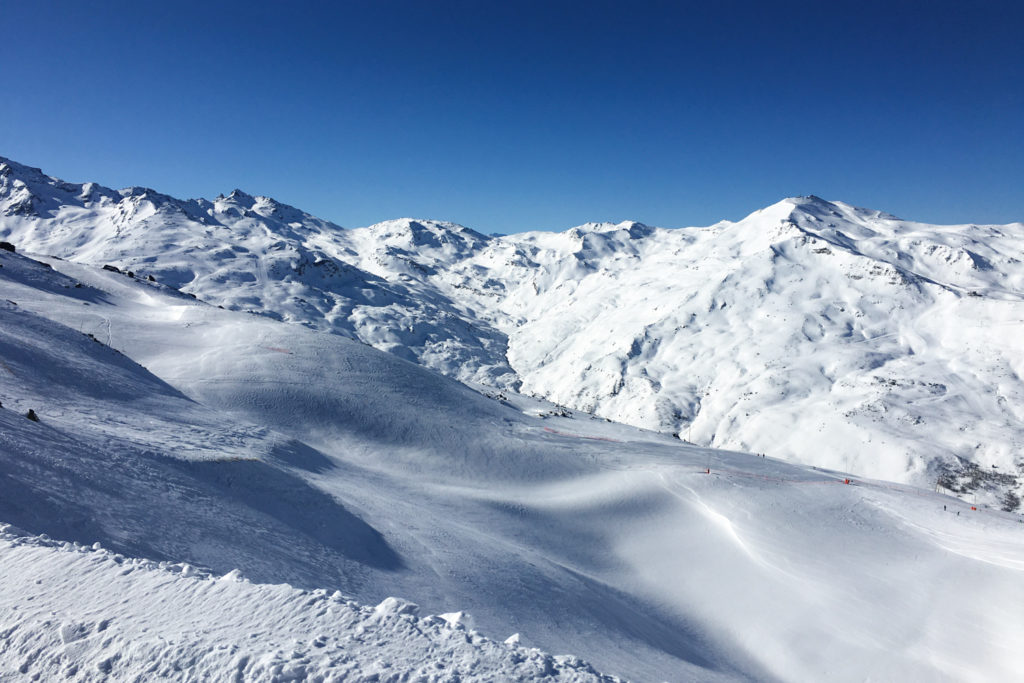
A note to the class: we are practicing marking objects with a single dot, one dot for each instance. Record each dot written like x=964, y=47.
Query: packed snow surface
x=811, y=330
x=172, y=432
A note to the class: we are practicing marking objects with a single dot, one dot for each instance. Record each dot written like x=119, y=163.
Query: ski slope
x=814, y=331
x=185, y=433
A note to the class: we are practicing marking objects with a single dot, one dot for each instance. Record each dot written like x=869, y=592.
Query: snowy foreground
x=79, y=612
x=172, y=432
x=898, y=345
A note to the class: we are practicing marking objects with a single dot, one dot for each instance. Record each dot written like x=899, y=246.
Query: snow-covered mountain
x=174, y=433
x=810, y=330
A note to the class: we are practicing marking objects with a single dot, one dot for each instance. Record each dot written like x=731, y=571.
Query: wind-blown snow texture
x=811, y=330
x=176, y=432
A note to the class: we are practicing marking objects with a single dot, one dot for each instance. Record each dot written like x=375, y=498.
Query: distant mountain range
x=811, y=330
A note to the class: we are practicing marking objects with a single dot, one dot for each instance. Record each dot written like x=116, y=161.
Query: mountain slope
x=651, y=559
x=878, y=336
x=370, y=486
x=247, y=253
x=811, y=330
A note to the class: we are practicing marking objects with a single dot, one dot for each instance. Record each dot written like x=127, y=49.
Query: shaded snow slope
x=344, y=468
x=812, y=330
x=85, y=613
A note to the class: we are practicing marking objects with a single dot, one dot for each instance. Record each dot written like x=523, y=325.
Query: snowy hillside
x=175, y=432
x=810, y=330
x=251, y=254
x=897, y=345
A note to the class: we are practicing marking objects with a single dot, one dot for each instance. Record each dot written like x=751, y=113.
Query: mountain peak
x=7, y=166
x=823, y=209
x=812, y=209
x=804, y=203
x=808, y=200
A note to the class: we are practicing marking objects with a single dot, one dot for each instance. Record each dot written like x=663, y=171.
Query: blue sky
x=528, y=115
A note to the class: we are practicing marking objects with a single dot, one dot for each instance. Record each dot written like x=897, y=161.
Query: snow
x=237, y=445
x=131, y=619
x=896, y=344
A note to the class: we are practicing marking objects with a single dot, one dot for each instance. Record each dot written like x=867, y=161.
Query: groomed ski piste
x=191, y=443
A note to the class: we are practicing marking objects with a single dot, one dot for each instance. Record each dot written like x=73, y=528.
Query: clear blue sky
x=528, y=115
